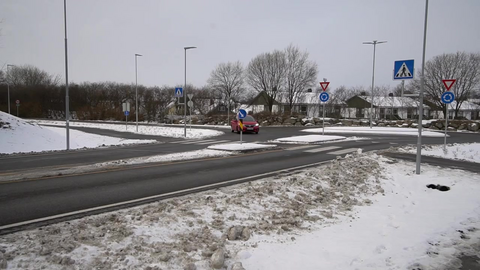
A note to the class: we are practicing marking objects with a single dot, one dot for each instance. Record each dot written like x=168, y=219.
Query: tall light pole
x=67, y=105
x=185, y=92
x=422, y=88
x=8, y=88
x=136, y=90
x=374, y=43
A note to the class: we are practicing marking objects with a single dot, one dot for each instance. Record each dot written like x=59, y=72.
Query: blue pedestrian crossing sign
x=242, y=114
x=324, y=97
x=178, y=92
x=403, y=70
x=448, y=97
x=127, y=113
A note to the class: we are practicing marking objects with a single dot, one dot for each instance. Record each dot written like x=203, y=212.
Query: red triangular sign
x=324, y=85
x=448, y=83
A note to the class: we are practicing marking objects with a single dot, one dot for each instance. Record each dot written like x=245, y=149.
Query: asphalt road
x=39, y=198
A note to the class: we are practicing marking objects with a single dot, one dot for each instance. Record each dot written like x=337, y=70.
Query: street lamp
x=67, y=104
x=422, y=88
x=374, y=43
x=185, y=92
x=8, y=88
x=136, y=90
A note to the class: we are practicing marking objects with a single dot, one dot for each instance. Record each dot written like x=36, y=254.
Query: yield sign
x=324, y=85
x=448, y=83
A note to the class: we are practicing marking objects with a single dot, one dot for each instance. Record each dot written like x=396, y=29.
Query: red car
x=249, y=125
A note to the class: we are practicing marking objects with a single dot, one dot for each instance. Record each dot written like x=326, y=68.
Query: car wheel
x=256, y=132
x=233, y=130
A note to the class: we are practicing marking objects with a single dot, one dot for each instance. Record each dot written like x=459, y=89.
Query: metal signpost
x=18, y=105
x=324, y=98
x=190, y=105
x=240, y=116
x=126, y=111
x=447, y=98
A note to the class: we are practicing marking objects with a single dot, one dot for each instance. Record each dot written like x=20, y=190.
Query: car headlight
x=257, y=125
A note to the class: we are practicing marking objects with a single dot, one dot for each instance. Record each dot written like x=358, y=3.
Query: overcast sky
x=104, y=35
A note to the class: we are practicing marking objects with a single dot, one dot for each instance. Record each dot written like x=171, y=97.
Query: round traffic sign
x=190, y=103
x=127, y=113
x=448, y=97
x=324, y=97
x=242, y=114
x=17, y=101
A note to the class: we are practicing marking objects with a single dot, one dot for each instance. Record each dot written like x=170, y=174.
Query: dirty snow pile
x=361, y=212
x=467, y=151
x=175, y=132
x=19, y=136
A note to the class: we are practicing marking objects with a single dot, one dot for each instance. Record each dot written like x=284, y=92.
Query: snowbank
x=19, y=136
x=175, y=132
x=468, y=152
x=376, y=130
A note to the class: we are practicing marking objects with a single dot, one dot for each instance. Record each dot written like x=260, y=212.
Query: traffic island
x=242, y=147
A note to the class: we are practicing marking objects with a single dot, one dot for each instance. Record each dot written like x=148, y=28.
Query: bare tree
x=266, y=73
x=28, y=75
x=301, y=74
x=227, y=79
x=464, y=67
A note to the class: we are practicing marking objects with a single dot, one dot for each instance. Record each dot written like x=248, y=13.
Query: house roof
x=467, y=105
x=396, y=102
x=309, y=98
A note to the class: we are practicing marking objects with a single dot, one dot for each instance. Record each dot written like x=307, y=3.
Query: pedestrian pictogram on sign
x=403, y=70
x=448, y=83
x=324, y=85
x=178, y=92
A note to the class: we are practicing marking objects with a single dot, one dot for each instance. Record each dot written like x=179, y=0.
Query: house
x=384, y=107
x=308, y=104
x=260, y=104
x=469, y=109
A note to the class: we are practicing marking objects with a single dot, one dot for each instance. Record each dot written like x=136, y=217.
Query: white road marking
x=322, y=149
x=222, y=141
x=343, y=151
x=300, y=147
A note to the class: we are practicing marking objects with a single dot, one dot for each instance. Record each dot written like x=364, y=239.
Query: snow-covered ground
x=175, y=132
x=362, y=212
x=469, y=152
x=19, y=136
x=376, y=130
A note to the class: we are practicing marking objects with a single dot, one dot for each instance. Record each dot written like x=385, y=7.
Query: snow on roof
x=308, y=98
x=396, y=102
x=467, y=105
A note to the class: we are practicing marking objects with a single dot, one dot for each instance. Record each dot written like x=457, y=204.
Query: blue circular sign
x=324, y=97
x=127, y=113
x=242, y=114
x=448, y=97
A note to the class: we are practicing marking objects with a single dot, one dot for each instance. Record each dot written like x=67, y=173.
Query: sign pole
x=446, y=127
x=126, y=122
x=241, y=132
x=323, y=122
x=18, y=105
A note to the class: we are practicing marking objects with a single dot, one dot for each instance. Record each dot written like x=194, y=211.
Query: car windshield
x=249, y=118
